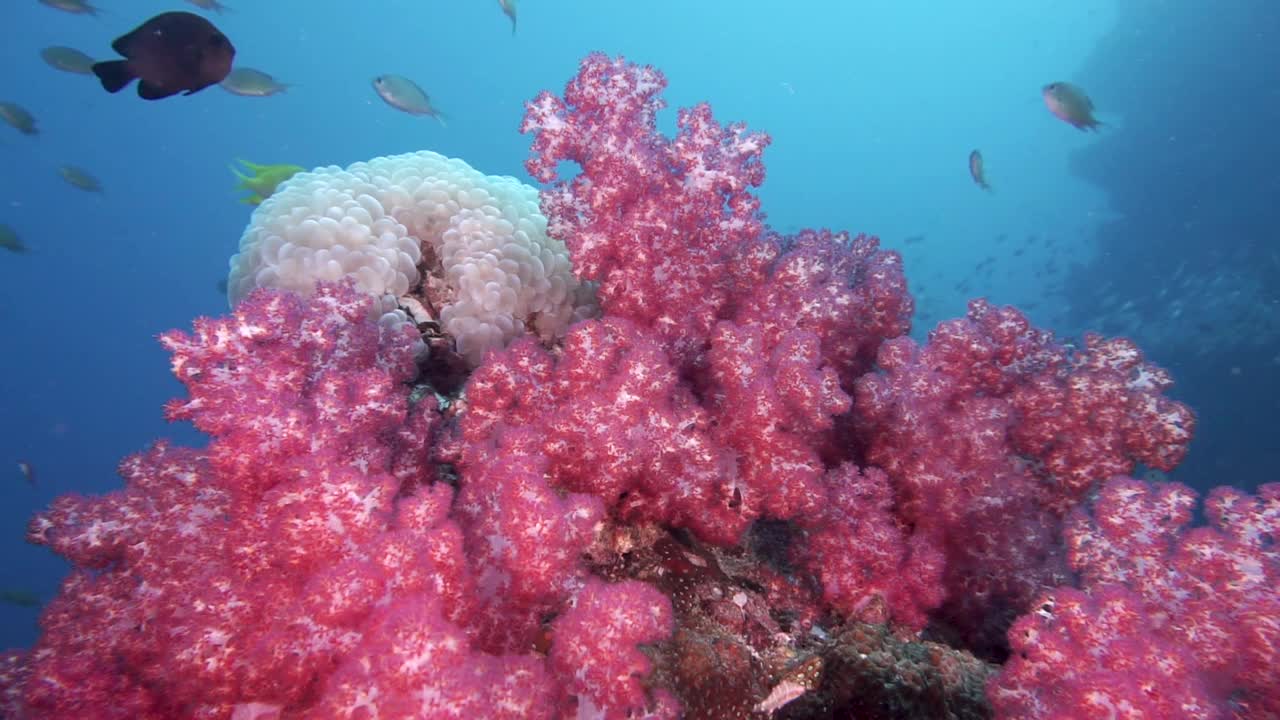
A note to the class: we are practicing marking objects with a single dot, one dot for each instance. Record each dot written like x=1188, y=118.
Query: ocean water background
x=873, y=108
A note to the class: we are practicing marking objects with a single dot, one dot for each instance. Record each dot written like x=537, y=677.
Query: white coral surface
x=490, y=268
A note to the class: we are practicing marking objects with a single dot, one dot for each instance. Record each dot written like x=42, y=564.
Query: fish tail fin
x=244, y=179
x=440, y=117
x=114, y=74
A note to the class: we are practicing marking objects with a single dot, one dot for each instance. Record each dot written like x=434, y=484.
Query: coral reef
x=739, y=492
x=1185, y=621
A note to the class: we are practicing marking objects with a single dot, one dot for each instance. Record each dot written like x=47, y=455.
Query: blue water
x=873, y=108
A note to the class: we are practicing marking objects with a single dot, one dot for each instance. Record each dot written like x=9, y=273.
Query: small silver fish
x=976, y=170
x=509, y=9
x=404, y=94
x=213, y=5
x=17, y=116
x=25, y=469
x=10, y=241
x=80, y=178
x=75, y=7
x=68, y=60
x=252, y=83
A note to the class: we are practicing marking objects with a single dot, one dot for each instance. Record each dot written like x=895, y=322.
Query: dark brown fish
x=170, y=53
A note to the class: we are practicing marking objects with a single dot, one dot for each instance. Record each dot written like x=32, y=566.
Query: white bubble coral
x=475, y=246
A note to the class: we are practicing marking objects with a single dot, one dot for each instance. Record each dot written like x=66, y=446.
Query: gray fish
x=509, y=9
x=17, y=116
x=404, y=94
x=10, y=241
x=213, y=5
x=68, y=60
x=81, y=178
x=21, y=598
x=75, y=7
x=170, y=53
x=252, y=83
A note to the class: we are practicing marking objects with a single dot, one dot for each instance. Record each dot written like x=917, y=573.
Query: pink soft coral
x=652, y=220
x=1173, y=621
x=305, y=564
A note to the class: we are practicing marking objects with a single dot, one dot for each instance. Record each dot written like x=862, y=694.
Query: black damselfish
x=170, y=53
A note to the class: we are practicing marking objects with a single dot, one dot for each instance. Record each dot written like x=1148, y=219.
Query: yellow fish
x=264, y=179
